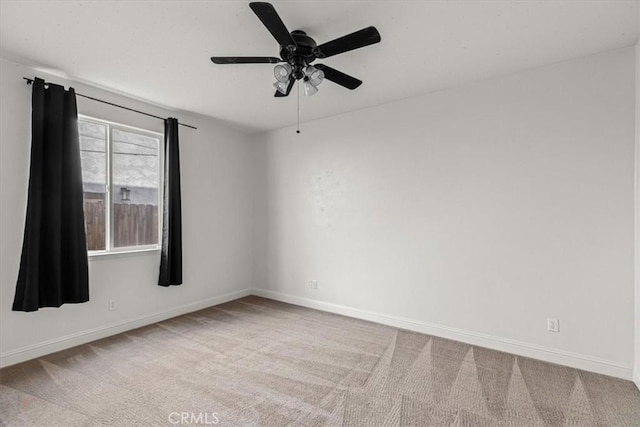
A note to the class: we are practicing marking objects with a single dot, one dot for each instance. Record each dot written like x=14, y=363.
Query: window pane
x=135, y=188
x=93, y=143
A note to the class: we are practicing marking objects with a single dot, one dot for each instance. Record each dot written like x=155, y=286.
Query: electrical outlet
x=313, y=284
x=112, y=305
x=553, y=325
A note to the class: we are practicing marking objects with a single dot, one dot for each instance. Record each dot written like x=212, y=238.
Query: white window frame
x=110, y=249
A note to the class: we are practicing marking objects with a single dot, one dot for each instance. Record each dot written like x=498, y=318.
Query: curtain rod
x=29, y=81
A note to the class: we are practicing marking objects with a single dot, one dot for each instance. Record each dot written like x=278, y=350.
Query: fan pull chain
x=298, y=120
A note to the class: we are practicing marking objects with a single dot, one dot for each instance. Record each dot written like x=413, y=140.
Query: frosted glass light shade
x=314, y=75
x=282, y=72
x=282, y=87
x=309, y=89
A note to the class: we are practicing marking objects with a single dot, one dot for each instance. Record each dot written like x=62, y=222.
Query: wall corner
x=636, y=368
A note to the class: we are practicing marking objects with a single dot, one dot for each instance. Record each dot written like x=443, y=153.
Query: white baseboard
x=51, y=346
x=547, y=354
x=636, y=377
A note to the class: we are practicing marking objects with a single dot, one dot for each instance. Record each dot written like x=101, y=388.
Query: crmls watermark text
x=185, y=418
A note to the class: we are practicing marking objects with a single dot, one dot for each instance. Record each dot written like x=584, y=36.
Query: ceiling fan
x=298, y=51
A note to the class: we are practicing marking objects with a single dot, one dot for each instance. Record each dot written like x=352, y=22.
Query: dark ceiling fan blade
x=245, y=60
x=282, y=95
x=339, y=77
x=352, y=41
x=270, y=18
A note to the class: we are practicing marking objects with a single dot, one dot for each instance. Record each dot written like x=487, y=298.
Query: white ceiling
x=159, y=50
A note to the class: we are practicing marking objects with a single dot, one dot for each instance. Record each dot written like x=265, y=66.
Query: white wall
x=217, y=195
x=475, y=212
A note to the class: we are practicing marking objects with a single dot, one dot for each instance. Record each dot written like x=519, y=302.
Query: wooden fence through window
x=133, y=225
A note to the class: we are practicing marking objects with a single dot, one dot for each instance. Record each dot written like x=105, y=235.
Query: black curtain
x=171, y=256
x=53, y=265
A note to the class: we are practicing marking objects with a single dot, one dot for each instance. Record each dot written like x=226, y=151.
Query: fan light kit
x=298, y=51
x=312, y=78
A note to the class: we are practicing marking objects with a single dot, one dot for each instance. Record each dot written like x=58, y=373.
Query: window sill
x=98, y=255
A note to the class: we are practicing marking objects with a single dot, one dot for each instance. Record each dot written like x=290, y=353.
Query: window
x=121, y=181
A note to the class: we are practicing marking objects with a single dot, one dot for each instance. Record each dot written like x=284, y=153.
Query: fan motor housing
x=302, y=55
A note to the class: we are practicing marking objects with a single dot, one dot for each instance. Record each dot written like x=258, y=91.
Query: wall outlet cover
x=553, y=325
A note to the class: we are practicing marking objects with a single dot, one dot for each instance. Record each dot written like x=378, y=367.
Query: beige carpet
x=259, y=362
